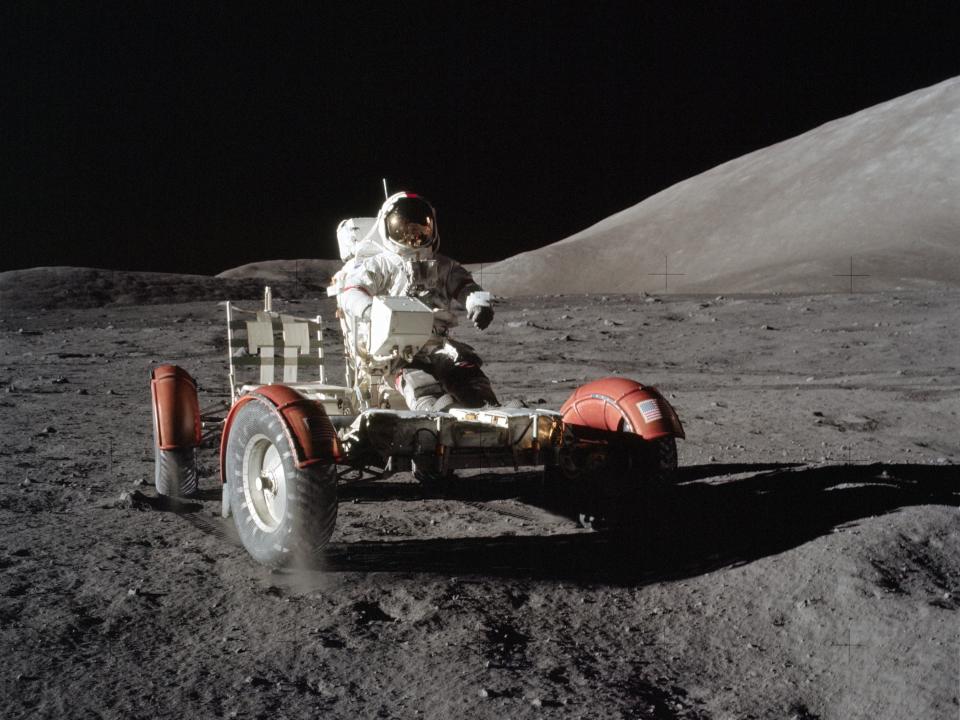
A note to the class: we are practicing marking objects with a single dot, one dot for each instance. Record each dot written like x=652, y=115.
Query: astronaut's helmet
x=409, y=224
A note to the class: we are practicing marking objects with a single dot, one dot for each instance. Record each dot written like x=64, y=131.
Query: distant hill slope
x=881, y=186
x=305, y=271
x=72, y=287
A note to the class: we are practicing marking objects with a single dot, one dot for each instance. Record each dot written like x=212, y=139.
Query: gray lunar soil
x=807, y=565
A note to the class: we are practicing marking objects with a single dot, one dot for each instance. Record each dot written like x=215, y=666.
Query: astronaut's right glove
x=480, y=308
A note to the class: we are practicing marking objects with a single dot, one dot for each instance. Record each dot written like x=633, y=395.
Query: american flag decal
x=650, y=410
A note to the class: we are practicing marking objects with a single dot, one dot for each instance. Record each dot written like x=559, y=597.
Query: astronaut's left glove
x=480, y=308
x=481, y=317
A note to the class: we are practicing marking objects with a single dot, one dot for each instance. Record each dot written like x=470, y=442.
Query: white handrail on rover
x=232, y=377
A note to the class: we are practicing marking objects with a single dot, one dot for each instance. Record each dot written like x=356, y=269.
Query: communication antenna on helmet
x=386, y=195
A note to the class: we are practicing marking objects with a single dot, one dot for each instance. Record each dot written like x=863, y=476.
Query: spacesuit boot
x=471, y=388
x=457, y=367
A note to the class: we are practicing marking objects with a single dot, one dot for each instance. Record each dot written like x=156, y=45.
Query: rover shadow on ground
x=718, y=515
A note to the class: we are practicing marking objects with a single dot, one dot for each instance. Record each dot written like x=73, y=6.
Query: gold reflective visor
x=410, y=233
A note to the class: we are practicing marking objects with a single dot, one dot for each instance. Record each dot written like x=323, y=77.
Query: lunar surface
x=806, y=565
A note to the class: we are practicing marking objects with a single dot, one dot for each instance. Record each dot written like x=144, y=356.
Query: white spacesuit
x=404, y=262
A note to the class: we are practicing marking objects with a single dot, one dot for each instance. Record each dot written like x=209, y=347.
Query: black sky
x=196, y=137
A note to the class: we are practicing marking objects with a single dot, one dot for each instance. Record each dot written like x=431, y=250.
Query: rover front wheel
x=660, y=462
x=285, y=515
x=575, y=486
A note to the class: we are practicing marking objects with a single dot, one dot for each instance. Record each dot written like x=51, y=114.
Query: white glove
x=481, y=317
x=480, y=308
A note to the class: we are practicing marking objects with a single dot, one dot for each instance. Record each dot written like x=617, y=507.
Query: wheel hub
x=264, y=486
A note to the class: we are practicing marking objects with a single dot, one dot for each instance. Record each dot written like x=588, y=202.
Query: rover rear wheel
x=174, y=471
x=285, y=515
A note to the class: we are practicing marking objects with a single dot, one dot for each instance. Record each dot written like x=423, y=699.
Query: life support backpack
x=358, y=240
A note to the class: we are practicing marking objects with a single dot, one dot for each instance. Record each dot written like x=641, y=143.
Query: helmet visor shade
x=410, y=222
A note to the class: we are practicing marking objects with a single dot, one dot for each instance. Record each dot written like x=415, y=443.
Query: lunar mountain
x=875, y=195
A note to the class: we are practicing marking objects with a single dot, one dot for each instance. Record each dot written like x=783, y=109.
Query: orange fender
x=620, y=404
x=176, y=408
x=305, y=422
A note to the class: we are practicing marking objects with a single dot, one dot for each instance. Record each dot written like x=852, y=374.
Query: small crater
x=370, y=612
x=887, y=579
x=517, y=599
x=799, y=711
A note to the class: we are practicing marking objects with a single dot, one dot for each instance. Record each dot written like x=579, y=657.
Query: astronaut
x=444, y=373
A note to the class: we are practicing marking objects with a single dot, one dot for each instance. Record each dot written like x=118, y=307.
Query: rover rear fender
x=620, y=404
x=305, y=422
x=176, y=408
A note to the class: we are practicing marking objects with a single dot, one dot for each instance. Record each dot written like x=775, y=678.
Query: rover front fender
x=620, y=404
x=176, y=408
x=305, y=422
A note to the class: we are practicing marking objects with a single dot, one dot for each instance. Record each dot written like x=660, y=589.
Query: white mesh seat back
x=296, y=344
x=261, y=342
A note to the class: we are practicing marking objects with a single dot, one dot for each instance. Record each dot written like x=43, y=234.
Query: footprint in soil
x=16, y=590
x=329, y=639
x=506, y=646
x=83, y=624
